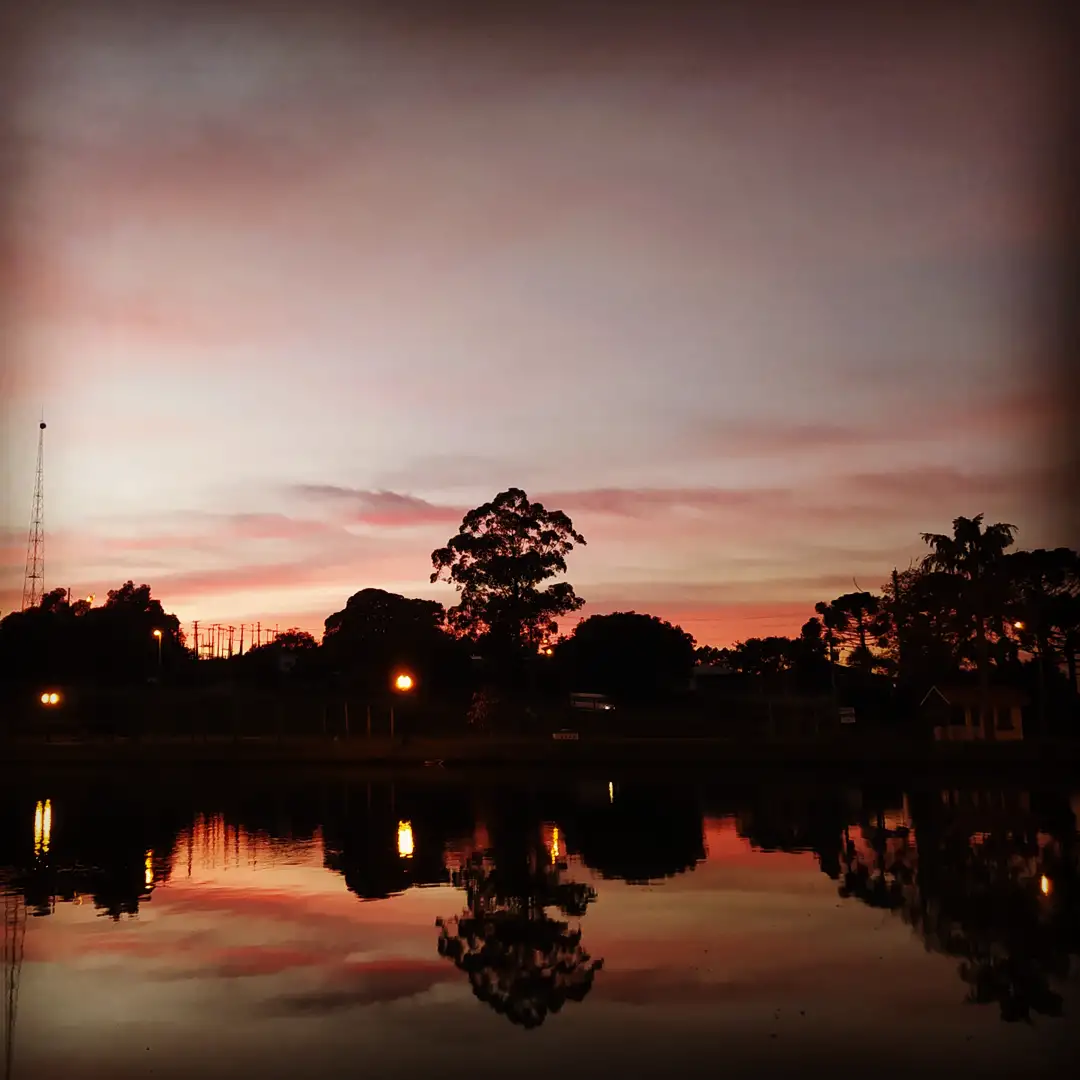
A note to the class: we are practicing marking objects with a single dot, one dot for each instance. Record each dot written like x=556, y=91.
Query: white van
x=591, y=702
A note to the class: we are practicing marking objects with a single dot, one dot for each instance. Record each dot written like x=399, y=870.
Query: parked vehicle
x=591, y=702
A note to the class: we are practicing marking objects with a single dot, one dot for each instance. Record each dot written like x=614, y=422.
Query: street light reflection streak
x=405, y=839
x=149, y=868
x=42, y=827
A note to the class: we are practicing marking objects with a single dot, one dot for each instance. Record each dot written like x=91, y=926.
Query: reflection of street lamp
x=157, y=634
x=42, y=827
x=404, y=840
x=1045, y=886
x=403, y=684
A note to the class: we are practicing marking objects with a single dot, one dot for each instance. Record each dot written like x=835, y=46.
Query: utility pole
x=232, y=630
x=195, y=637
x=241, y=639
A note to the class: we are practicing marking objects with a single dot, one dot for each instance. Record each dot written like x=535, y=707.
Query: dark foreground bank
x=1054, y=755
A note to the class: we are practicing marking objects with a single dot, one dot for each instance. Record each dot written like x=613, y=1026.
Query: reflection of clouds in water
x=357, y=988
x=746, y=933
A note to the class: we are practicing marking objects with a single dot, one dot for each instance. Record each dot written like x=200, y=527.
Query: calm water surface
x=440, y=928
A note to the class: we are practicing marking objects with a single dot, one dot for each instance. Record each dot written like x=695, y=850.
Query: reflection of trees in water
x=518, y=959
x=996, y=889
x=364, y=831
x=641, y=835
x=785, y=820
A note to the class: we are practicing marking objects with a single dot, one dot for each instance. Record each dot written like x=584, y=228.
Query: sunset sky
x=755, y=303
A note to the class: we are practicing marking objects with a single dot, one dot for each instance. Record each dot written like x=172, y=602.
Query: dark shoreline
x=1042, y=759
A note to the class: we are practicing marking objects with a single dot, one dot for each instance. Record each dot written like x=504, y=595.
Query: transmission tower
x=34, y=581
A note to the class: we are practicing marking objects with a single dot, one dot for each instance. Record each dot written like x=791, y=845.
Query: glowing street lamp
x=1018, y=626
x=50, y=697
x=403, y=683
x=157, y=634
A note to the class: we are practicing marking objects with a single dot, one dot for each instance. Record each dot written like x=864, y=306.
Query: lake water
x=437, y=926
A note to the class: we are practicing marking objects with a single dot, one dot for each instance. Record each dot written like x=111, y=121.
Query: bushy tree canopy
x=501, y=555
x=628, y=655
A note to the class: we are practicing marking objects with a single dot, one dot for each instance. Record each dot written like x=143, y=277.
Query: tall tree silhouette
x=501, y=555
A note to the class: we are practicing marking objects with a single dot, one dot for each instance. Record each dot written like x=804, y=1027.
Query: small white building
x=955, y=713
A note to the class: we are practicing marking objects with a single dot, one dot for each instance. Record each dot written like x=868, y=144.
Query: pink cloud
x=381, y=509
x=1012, y=413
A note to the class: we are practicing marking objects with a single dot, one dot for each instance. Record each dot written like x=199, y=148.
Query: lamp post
x=157, y=634
x=403, y=684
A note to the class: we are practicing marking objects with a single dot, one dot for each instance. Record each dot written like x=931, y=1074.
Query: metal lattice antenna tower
x=34, y=581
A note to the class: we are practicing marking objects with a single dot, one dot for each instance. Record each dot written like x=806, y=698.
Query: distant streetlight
x=50, y=697
x=1018, y=626
x=157, y=634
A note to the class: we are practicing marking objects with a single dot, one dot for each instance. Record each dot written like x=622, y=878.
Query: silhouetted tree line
x=970, y=608
x=72, y=642
x=971, y=605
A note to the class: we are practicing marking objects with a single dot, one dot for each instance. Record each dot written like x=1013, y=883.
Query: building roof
x=971, y=696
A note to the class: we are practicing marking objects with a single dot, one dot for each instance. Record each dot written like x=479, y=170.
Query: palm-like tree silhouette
x=518, y=959
x=974, y=554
